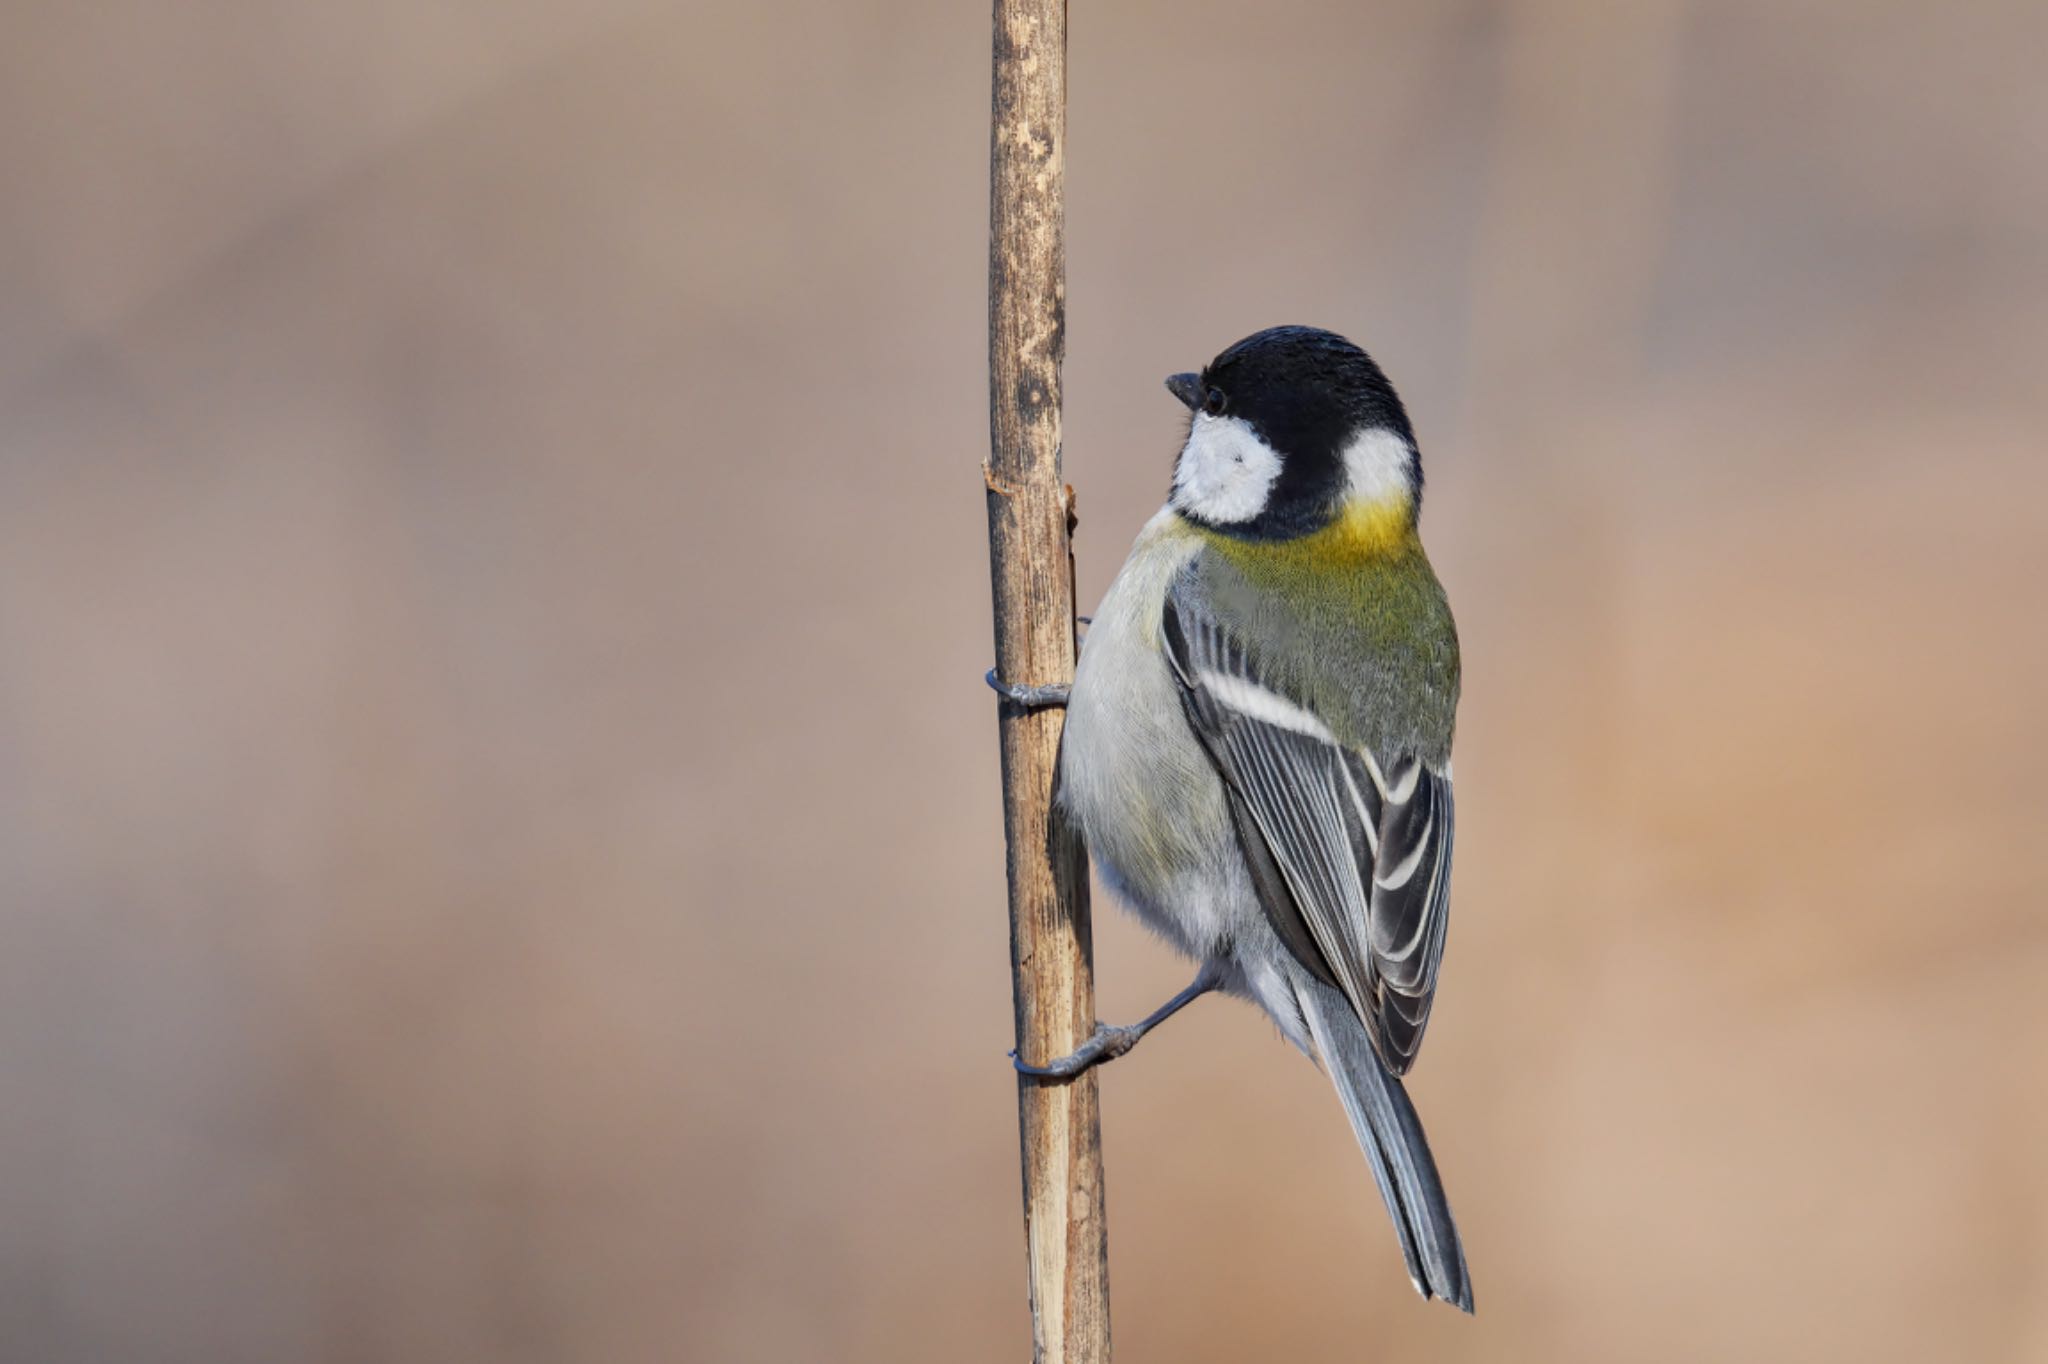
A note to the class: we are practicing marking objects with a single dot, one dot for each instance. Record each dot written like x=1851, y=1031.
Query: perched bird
x=1258, y=739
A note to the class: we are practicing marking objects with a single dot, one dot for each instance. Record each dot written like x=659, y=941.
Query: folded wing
x=1350, y=850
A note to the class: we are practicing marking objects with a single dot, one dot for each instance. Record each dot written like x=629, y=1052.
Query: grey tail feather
x=1391, y=1136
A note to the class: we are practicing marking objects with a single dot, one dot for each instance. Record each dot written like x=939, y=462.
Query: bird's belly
x=1134, y=777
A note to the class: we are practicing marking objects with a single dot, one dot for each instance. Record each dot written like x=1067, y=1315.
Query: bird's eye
x=1214, y=402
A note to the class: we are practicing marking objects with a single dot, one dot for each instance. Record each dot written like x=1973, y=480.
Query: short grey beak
x=1187, y=388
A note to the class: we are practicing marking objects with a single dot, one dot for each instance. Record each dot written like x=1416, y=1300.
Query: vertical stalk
x=1031, y=567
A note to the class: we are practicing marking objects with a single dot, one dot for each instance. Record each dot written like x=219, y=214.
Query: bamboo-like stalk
x=1031, y=566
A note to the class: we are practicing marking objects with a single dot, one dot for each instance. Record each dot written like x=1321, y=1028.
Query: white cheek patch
x=1225, y=471
x=1379, y=467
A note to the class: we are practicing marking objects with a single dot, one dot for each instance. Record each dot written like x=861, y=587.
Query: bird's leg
x=1047, y=696
x=1107, y=1043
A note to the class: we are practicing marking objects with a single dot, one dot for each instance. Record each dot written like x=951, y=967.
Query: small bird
x=1258, y=740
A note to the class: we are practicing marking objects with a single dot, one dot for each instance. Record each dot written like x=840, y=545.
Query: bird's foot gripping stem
x=1046, y=696
x=1109, y=1042
x=1106, y=1044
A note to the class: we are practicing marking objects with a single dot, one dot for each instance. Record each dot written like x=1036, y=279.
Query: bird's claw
x=1045, y=696
x=1106, y=1043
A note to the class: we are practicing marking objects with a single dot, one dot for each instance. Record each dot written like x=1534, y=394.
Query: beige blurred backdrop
x=499, y=840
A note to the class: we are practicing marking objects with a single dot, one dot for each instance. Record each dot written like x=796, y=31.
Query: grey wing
x=1350, y=851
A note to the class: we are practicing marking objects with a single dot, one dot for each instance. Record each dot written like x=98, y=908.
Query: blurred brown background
x=499, y=841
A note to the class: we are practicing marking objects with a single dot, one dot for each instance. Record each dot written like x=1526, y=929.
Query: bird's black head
x=1287, y=428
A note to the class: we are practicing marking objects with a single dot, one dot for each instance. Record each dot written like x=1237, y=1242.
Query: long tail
x=1391, y=1136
